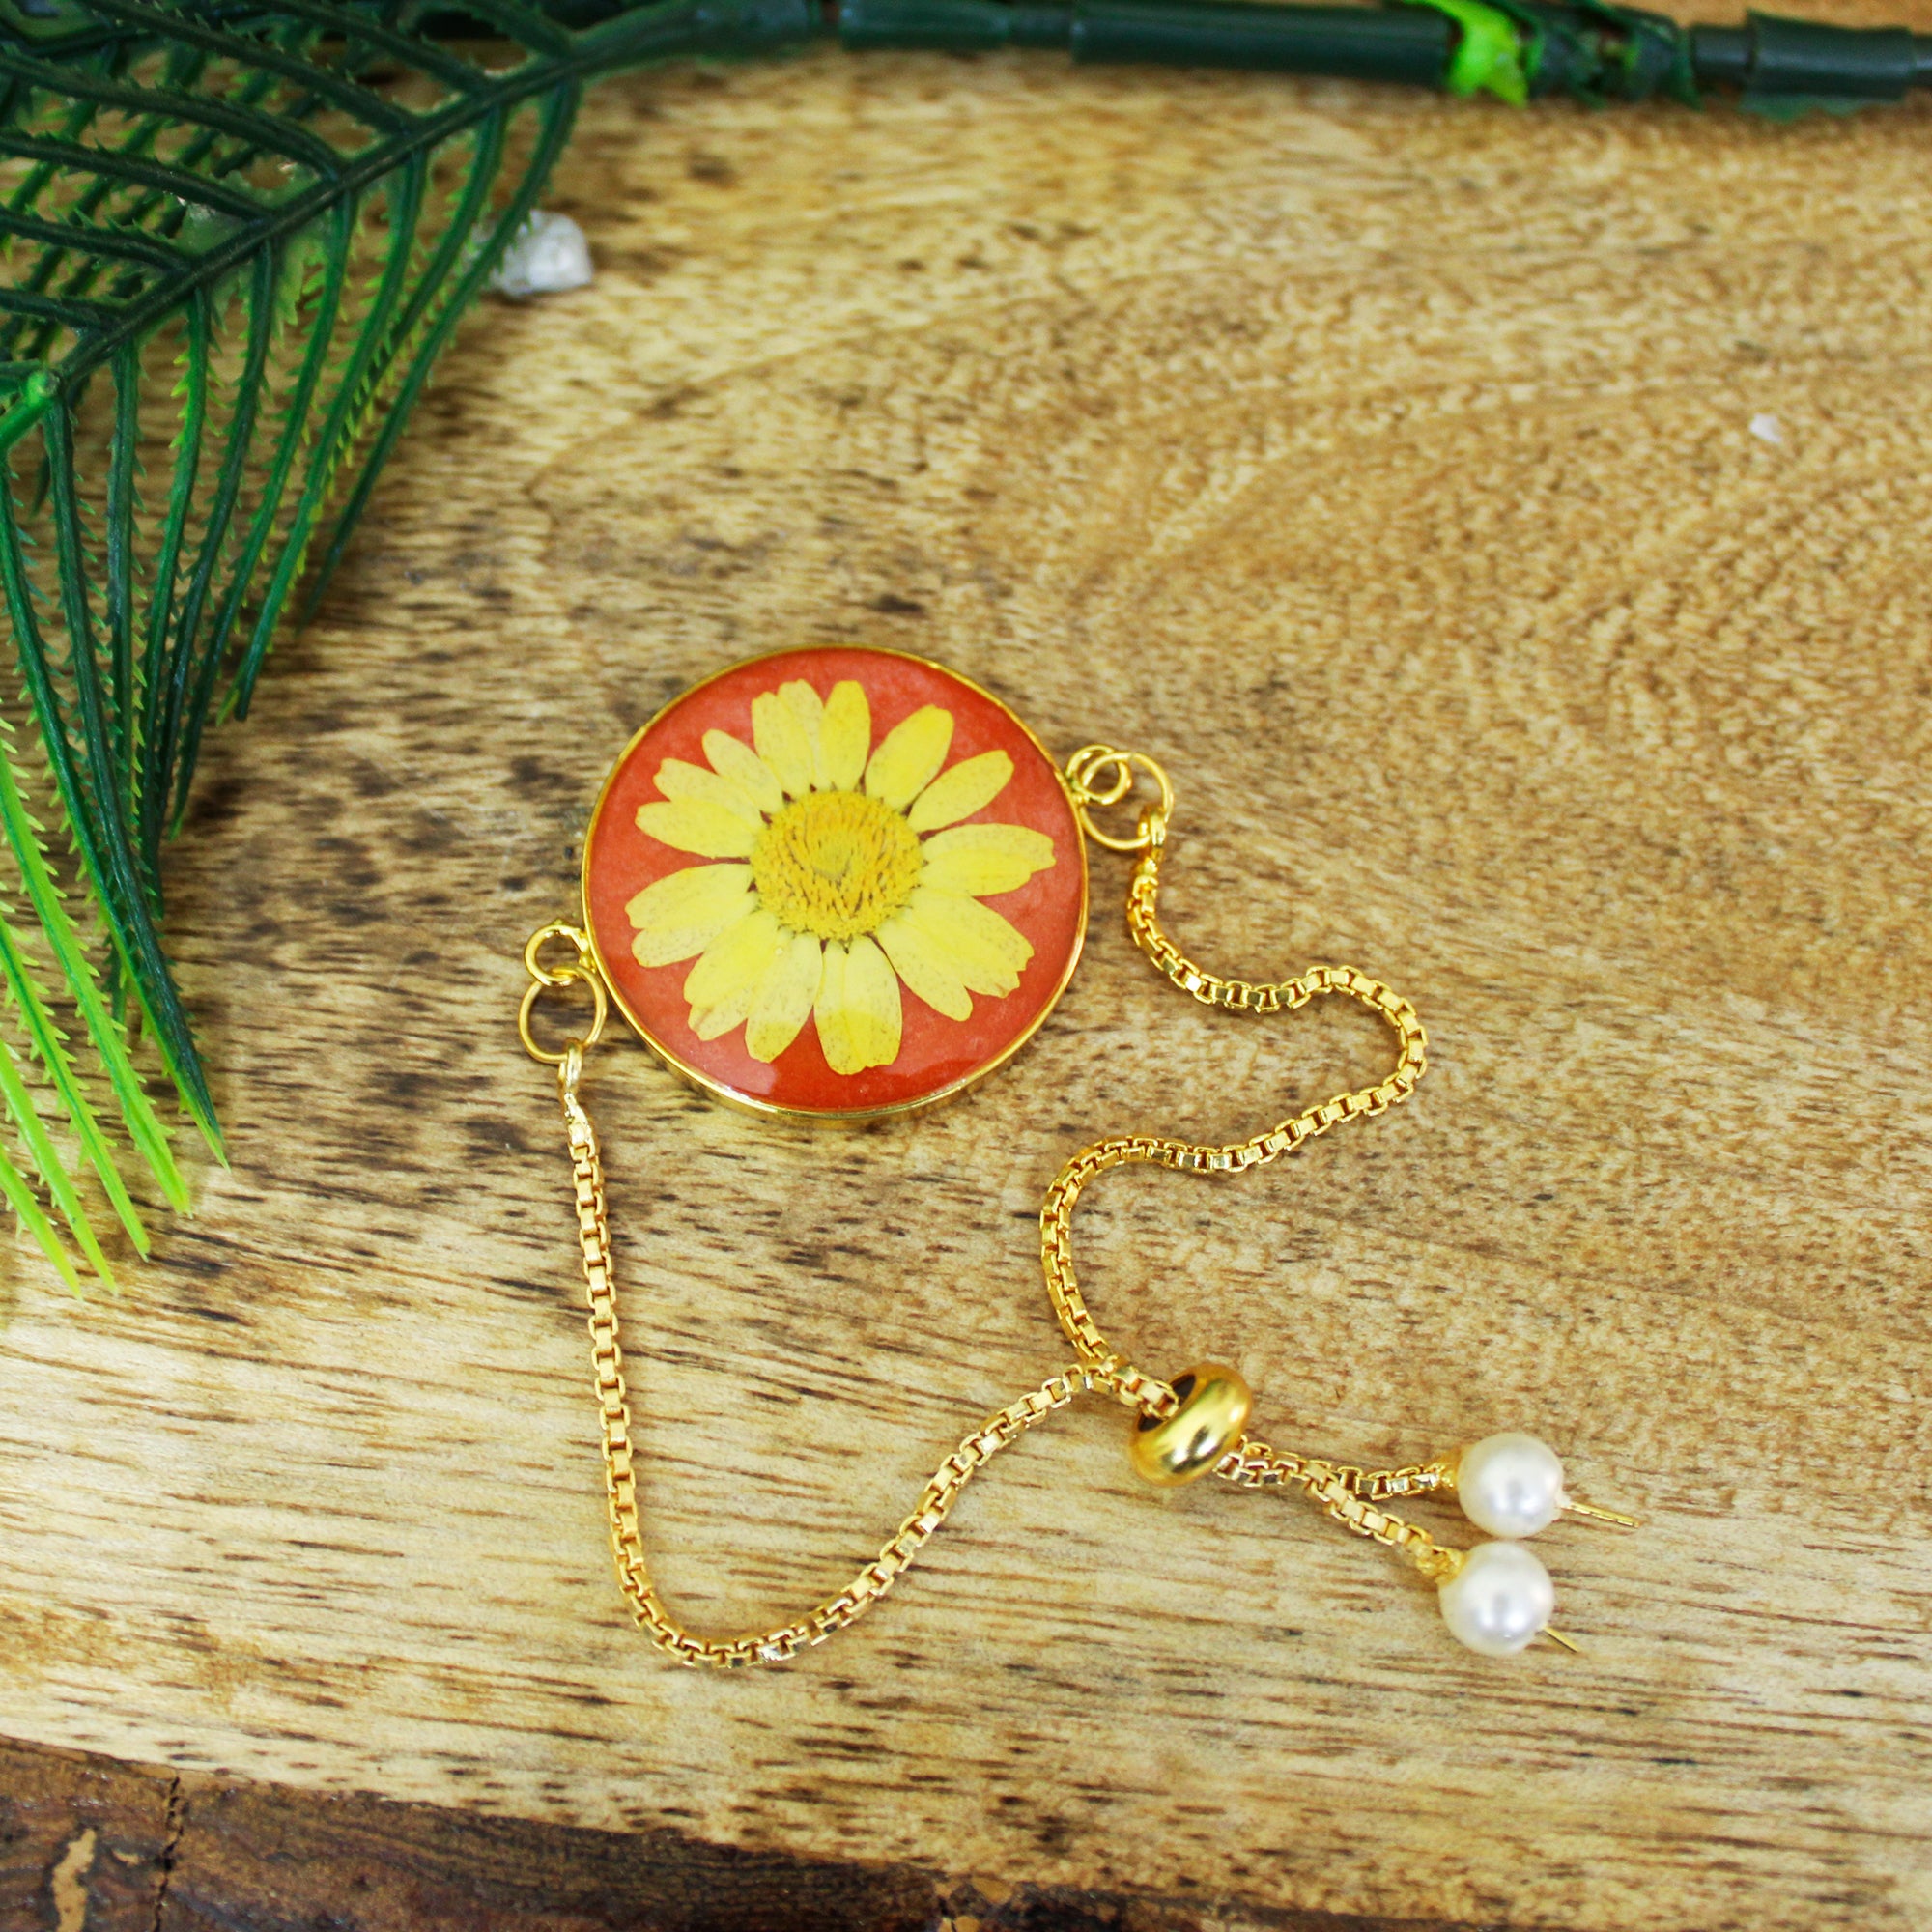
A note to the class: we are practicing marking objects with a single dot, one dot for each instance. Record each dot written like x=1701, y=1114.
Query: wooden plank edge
x=92, y=1844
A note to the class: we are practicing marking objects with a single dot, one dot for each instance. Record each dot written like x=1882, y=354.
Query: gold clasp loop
x=558, y=975
x=1084, y=770
x=545, y=979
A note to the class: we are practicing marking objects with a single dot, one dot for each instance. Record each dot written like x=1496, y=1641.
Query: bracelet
x=836, y=869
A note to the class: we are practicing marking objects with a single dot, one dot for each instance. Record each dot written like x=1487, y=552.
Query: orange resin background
x=936, y=1054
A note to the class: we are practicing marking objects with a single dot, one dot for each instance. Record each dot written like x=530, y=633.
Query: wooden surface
x=92, y=1844
x=88, y=1844
x=1383, y=465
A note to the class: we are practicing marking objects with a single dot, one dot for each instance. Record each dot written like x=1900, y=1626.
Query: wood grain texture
x=1384, y=466
x=88, y=1844
x=85, y=1843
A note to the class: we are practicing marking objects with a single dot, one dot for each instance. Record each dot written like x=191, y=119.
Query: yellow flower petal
x=849, y=735
x=683, y=912
x=781, y=742
x=923, y=967
x=806, y=706
x=909, y=756
x=784, y=1000
x=696, y=825
x=721, y=986
x=872, y=1011
x=982, y=948
x=959, y=793
x=984, y=859
x=735, y=759
x=828, y=1012
x=858, y=1010
x=678, y=780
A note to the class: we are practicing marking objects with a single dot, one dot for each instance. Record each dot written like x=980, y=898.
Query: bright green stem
x=1489, y=52
x=49, y=907
x=20, y=1198
x=19, y=1102
x=46, y=1040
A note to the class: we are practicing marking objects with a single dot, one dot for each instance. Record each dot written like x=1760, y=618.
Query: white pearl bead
x=1500, y=1599
x=1510, y=1485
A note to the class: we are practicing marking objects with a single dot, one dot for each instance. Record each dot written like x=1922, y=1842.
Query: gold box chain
x=1097, y=777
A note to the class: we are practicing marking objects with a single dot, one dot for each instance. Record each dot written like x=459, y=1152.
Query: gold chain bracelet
x=1496, y=1598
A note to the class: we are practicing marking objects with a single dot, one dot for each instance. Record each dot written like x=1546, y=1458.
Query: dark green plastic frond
x=232, y=240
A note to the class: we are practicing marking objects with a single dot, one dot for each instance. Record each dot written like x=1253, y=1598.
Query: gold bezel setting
x=710, y=1084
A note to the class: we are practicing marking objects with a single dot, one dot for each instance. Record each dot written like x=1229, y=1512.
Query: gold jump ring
x=558, y=975
x=1083, y=772
x=569, y=973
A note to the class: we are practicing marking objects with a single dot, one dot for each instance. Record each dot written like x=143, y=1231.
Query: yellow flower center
x=835, y=864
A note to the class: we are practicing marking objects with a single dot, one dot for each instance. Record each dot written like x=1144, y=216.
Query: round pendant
x=834, y=882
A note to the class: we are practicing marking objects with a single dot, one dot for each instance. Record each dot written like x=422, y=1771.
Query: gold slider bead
x=1215, y=1405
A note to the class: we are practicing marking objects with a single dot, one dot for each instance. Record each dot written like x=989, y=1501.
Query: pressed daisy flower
x=844, y=872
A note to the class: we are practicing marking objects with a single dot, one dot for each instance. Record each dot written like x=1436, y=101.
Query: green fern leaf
x=233, y=240
x=20, y=1198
